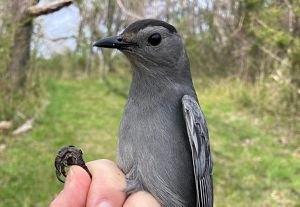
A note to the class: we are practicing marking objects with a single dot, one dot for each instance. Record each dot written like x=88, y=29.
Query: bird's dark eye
x=154, y=39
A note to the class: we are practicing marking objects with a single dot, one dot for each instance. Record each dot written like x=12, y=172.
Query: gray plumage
x=163, y=139
x=199, y=142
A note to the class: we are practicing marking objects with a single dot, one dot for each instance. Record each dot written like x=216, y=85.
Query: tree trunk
x=20, y=49
x=107, y=54
x=19, y=56
x=23, y=13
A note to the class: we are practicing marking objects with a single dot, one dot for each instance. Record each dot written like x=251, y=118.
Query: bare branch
x=42, y=36
x=50, y=8
x=24, y=128
x=5, y=125
x=124, y=10
x=61, y=38
x=239, y=27
x=261, y=23
x=291, y=16
x=272, y=55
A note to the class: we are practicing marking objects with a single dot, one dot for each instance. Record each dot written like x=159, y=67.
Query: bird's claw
x=66, y=157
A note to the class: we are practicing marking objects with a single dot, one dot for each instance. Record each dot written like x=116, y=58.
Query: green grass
x=251, y=168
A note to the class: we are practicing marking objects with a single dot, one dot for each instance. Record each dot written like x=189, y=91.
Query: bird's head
x=149, y=44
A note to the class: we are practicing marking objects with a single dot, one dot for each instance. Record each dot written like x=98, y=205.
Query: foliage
x=257, y=42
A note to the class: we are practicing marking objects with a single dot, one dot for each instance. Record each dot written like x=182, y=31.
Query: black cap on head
x=142, y=24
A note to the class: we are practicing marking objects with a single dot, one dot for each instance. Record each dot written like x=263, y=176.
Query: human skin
x=105, y=189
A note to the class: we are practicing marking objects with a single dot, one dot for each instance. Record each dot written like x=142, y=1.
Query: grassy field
x=251, y=166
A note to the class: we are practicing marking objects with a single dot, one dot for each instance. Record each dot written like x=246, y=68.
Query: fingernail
x=105, y=204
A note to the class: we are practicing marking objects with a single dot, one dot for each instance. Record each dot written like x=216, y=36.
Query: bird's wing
x=199, y=142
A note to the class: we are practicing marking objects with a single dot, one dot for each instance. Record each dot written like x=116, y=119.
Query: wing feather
x=199, y=141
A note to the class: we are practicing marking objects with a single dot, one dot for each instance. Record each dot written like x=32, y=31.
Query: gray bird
x=163, y=139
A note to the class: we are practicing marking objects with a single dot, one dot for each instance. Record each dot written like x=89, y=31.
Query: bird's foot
x=66, y=157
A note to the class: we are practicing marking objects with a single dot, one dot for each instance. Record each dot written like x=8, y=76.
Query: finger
x=141, y=199
x=108, y=184
x=75, y=189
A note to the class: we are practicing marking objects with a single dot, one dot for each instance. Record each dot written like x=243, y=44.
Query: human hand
x=104, y=190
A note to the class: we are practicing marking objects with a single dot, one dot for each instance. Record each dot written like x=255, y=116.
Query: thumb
x=108, y=184
x=75, y=189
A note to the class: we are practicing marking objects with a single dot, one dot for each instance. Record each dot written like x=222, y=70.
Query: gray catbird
x=163, y=138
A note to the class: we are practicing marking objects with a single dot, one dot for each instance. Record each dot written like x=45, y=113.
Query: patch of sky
x=54, y=33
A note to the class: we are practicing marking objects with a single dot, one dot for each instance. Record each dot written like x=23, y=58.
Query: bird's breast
x=153, y=140
x=153, y=130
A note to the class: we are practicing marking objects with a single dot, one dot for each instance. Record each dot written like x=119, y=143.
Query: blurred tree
x=101, y=19
x=22, y=13
x=258, y=41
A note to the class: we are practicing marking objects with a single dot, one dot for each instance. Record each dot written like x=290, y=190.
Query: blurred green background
x=245, y=60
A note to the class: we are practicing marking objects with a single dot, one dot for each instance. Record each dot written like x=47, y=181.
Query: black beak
x=113, y=42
